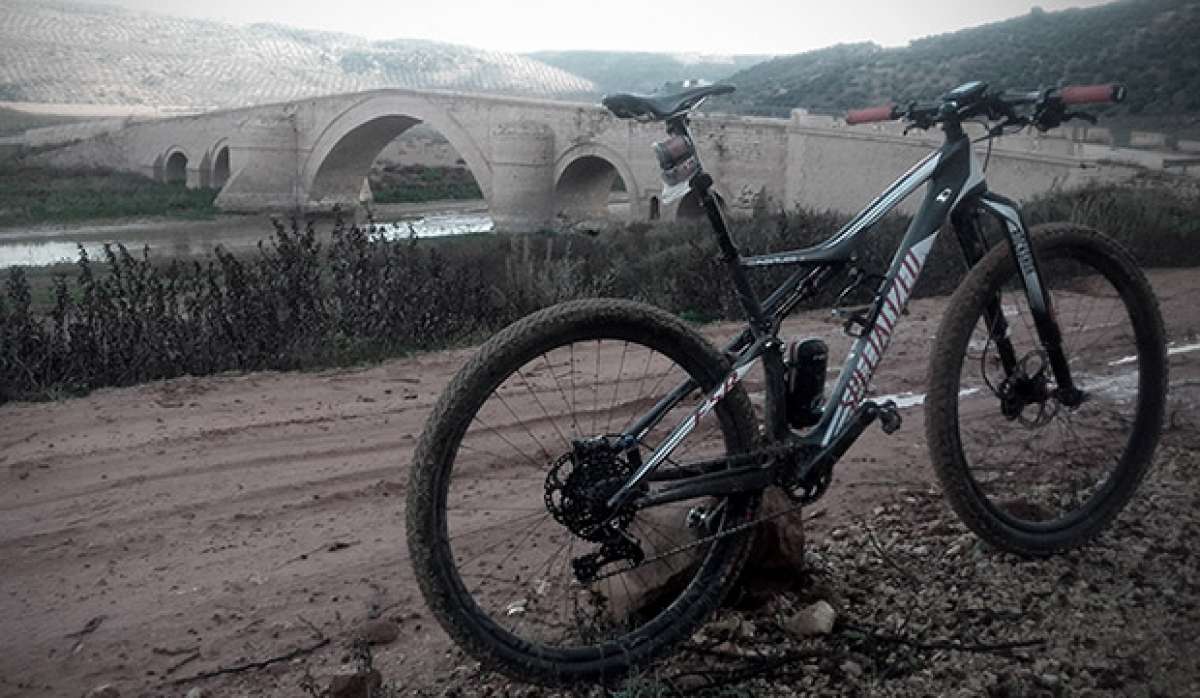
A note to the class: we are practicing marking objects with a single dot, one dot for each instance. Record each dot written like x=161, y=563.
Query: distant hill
x=1151, y=45
x=625, y=71
x=68, y=52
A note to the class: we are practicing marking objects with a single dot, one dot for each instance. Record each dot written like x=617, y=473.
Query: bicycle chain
x=706, y=539
x=700, y=541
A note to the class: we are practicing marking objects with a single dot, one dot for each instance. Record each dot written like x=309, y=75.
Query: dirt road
x=155, y=532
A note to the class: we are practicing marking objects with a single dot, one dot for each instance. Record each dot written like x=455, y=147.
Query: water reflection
x=197, y=238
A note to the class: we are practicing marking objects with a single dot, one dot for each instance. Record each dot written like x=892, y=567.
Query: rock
x=654, y=586
x=357, y=685
x=379, y=631
x=198, y=692
x=1049, y=681
x=733, y=626
x=779, y=543
x=814, y=619
x=852, y=668
x=105, y=691
x=732, y=650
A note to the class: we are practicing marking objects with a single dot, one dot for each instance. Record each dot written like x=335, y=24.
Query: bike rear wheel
x=496, y=503
x=1047, y=477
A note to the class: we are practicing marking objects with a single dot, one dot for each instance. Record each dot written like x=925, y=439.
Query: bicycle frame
x=957, y=190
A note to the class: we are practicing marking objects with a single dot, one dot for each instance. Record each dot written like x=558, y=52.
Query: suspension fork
x=1040, y=306
x=965, y=220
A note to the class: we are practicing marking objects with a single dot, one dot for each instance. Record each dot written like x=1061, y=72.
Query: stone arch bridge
x=537, y=160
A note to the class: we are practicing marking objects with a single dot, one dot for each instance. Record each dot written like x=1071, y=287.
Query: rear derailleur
x=619, y=547
x=578, y=488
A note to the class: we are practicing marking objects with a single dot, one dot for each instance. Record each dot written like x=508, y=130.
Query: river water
x=53, y=244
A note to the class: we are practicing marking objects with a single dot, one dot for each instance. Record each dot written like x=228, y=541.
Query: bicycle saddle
x=629, y=106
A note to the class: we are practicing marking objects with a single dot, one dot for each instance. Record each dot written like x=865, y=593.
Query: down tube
x=868, y=350
x=957, y=174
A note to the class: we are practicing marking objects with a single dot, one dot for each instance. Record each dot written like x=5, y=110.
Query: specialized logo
x=1033, y=286
x=1021, y=245
x=871, y=346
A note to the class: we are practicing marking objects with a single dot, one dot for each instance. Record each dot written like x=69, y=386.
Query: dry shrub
x=298, y=303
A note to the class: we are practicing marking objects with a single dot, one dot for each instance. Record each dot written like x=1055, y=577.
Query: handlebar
x=1093, y=94
x=972, y=100
x=872, y=114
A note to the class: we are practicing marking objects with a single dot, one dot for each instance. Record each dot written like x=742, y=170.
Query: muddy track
x=224, y=514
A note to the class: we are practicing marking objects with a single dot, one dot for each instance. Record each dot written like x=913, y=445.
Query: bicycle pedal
x=889, y=417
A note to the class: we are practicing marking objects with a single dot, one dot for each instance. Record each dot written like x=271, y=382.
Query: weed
x=297, y=303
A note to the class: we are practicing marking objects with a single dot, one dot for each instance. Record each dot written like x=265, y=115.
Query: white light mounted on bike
x=679, y=163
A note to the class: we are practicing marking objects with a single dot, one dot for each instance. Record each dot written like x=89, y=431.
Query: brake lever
x=1090, y=118
x=922, y=123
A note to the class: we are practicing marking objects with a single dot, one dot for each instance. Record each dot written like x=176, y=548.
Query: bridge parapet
x=536, y=159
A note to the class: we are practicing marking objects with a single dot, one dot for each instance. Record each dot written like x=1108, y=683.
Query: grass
x=402, y=184
x=30, y=194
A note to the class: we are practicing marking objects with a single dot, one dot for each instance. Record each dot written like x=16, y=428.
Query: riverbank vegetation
x=297, y=303
x=31, y=194
x=405, y=184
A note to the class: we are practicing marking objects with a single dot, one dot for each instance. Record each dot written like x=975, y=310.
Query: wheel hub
x=1029, y=385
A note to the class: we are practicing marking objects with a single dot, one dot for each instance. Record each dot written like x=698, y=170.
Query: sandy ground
x=200, y=523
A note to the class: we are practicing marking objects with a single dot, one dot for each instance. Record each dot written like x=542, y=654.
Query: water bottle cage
x=857, y=324
x=860, y=319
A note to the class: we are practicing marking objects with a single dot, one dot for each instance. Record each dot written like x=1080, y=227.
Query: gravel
x=925, y=608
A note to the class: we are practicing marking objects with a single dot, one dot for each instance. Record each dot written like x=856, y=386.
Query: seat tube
x=760, y=324
x=751, y=307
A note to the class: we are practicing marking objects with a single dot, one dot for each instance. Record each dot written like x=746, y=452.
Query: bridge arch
x=342, y=154
x=219, y=170
x=583, y=181
x=175, y=166
x=214, y=168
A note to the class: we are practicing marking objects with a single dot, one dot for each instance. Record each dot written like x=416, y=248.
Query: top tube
x=839, y=248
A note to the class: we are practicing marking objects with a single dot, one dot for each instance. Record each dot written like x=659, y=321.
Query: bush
x=299, y=303
x=36, y=194
x=396, y=184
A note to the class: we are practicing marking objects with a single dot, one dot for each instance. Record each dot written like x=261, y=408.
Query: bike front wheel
x=502, y=505
x=1025, y=472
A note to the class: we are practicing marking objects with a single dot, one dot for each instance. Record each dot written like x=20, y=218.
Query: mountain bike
x=586, y=488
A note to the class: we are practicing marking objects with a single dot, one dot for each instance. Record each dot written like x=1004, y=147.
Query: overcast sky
x=702, y=26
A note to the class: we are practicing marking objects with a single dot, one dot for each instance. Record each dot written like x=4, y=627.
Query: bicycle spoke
x=1054, y=464
x=516, y=559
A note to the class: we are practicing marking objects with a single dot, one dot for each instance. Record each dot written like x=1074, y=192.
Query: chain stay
x=787, y=449
x=699, y=542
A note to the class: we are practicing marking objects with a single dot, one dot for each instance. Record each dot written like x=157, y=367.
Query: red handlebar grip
x=1092, y=94
x=865, y=116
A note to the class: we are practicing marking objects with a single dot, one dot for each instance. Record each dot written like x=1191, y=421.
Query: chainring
x=813, y=485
